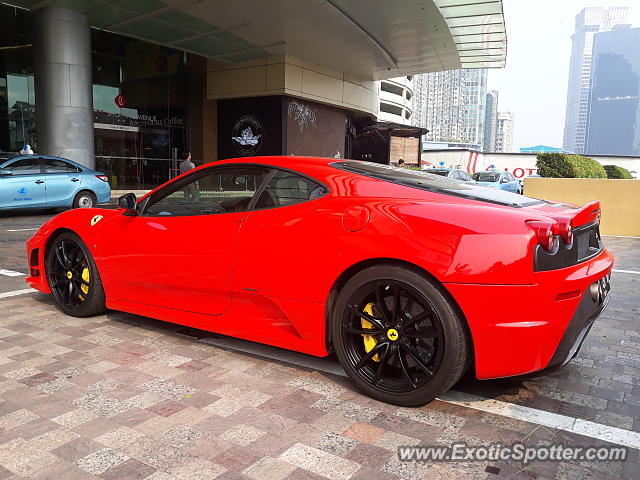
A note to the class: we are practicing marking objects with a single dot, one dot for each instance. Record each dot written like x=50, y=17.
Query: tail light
x=104, y=178
x=565, y=230
x=544, y=233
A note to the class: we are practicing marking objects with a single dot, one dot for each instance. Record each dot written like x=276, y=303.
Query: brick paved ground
x=120, y=396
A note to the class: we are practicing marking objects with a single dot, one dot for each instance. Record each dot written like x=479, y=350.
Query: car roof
x=16, y=156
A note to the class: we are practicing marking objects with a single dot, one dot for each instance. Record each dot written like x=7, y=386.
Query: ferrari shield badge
x=96, y=219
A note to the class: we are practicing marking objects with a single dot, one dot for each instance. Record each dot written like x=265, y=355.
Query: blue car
x=37, y=181
x=497, y=179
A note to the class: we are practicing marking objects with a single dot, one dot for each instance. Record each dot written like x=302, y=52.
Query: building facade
x=490, y=121
x=451, y=105
x=129, y=87
x=504, y=133
x=588, y=22
x=613, y=119
x=396, y=100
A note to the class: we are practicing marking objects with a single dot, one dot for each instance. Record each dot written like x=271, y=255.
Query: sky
x=533, y=85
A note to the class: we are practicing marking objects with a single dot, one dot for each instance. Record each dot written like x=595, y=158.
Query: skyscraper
x=451, y=105
x=490, y=121
x=613, y=120
x=588, y=22
x=504, y=132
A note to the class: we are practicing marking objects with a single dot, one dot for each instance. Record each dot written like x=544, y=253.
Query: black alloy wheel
x=398, y=336
x=73, y=277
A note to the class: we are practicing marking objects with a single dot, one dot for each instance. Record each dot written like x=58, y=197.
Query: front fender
x=84, y=222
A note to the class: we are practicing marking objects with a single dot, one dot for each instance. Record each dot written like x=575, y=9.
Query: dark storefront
x=142, y=102
x=281, y=125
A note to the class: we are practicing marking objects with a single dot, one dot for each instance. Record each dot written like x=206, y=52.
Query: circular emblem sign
x=247, y=135
x=121, y=102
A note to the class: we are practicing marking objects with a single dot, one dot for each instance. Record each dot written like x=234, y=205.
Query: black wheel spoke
x=405, y=368
x=363, y=361
x=418, y=318
x=67, y=262
x=396, y=314
x=417, y=359
x=380, y=301
x=361, y=331
x=60, y=258
x=408, y=306
x=77, y=258
x=387, y=355
x=424, y=332
x=369, y=318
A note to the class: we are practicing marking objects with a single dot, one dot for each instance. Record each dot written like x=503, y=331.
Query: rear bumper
x=518, y=329
x=103, y=192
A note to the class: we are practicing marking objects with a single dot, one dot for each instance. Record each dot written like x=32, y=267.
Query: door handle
x=75, y=179
x=39, y=181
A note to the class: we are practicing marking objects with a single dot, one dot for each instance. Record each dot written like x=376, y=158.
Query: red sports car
x=408, y=277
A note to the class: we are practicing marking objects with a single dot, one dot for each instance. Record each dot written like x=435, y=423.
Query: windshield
x=434, y=183
x=486, y=177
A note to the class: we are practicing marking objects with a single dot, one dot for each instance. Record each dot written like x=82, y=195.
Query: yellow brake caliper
x=369, y=340
x=85, y=286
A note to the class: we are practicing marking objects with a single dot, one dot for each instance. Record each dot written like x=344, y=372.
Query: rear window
x=486, y=177
x=434, y=183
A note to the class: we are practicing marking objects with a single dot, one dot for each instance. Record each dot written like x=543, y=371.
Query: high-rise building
x=504, y=132
x=395, y=96
x=451, y=105
x=588, y=22
x=490, y=121
x=612, y=122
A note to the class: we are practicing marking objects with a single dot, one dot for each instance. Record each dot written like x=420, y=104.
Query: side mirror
x=5, y=172
x=128, y=203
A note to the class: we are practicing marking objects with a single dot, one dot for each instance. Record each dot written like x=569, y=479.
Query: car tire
x=430, y=335
x=69, y=261
x=84, y=199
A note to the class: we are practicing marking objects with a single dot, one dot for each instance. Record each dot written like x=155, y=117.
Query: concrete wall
x=296, y=77
x=619, y=199
x=519, y=164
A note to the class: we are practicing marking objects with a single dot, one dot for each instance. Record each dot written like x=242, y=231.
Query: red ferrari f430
x=410, y=278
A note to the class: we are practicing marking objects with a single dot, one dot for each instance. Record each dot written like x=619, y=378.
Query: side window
x=25, y=166
x=510, y=177
x=464, y=176
x=219, y=190
x=53, y=165
x=288, y=188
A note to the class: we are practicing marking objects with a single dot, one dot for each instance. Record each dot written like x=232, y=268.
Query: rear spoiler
x=588, y=213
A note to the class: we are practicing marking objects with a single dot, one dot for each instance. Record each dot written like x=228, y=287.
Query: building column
x=64, y=95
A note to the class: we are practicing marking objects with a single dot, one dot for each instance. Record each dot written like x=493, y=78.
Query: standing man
x=185, y=166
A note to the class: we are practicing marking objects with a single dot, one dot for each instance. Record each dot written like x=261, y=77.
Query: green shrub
x=562, y=165
x=554, y=165
x=614, y=171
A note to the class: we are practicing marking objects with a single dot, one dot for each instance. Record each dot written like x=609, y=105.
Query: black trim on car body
x=435, y=183
x=586, y=244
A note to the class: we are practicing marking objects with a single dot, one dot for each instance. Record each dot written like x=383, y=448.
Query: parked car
x=394, y=270
x=497, y=179
x=453, y=173
x=38, y=181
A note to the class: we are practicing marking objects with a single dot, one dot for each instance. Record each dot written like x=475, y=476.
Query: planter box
x=619, y=199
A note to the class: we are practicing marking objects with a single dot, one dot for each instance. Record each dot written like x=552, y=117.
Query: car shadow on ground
x=520, y=390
